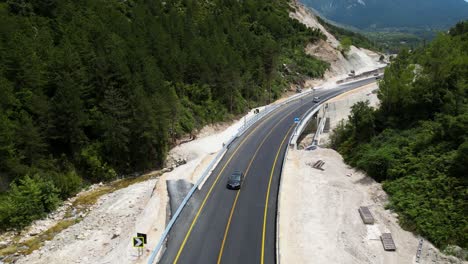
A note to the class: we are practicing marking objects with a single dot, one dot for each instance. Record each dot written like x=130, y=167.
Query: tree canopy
x=93, y=89
x=416, y=142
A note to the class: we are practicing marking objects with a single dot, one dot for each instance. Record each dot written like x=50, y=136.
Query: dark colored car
x=235, y=180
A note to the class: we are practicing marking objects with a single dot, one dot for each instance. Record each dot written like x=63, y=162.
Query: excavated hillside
x=357, y=59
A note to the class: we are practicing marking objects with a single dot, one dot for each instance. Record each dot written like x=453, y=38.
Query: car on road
x=316, y=99
x=235, y=180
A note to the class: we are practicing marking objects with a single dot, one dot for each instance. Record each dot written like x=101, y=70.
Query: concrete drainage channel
x=304, y=120
x=268, y=109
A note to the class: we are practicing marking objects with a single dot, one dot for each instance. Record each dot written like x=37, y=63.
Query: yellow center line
x=220, y=255
x=179, y=252
x=268, y=196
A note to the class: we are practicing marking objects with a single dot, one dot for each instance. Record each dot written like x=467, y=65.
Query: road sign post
x=145, y=241
x=139, y=243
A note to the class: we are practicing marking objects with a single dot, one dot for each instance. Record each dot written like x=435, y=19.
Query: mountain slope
x=357, y=59
x=379, y=14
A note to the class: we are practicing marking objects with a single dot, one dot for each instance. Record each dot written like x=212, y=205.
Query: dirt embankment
x=320, y=222
x=319, y=219
x=359, y=60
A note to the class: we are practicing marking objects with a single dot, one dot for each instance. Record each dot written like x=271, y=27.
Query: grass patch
x=9, y=250
x=28, y=246
x=49, y=234
x=90, y=198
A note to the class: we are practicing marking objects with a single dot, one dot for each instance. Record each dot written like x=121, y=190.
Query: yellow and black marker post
x=139, y=243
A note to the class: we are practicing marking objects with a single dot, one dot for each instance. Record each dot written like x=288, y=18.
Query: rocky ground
x=359, y=60
x=108, y=227
x=319, y=219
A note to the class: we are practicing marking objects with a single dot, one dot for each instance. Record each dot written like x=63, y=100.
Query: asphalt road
x=219, y=225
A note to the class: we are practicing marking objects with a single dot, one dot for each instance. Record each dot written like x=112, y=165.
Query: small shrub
x=95, y=168
x=27, y=201
x=68, y=183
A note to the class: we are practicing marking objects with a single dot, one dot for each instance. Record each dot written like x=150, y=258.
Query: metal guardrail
x=311, y=111
x=184, y=202
x=293, y=143
x=301, y=126
x=208, y=170
x=361, y=75
x=254, y=119
x=305, y=120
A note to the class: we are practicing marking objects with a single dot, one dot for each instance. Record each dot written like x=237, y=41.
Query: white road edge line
x=308, y=115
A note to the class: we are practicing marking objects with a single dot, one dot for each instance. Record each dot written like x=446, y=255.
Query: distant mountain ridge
x=383, y=14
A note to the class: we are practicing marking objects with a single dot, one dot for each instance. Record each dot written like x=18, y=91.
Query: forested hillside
x=92, y=89
x=416, y=143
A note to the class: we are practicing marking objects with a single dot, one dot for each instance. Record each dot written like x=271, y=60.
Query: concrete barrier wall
x=362, y=75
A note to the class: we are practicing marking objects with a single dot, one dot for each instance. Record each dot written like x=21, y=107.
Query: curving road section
x=219, y=225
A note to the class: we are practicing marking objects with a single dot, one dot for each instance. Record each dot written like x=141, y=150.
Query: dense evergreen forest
x=416, y=143
x=95, y=89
